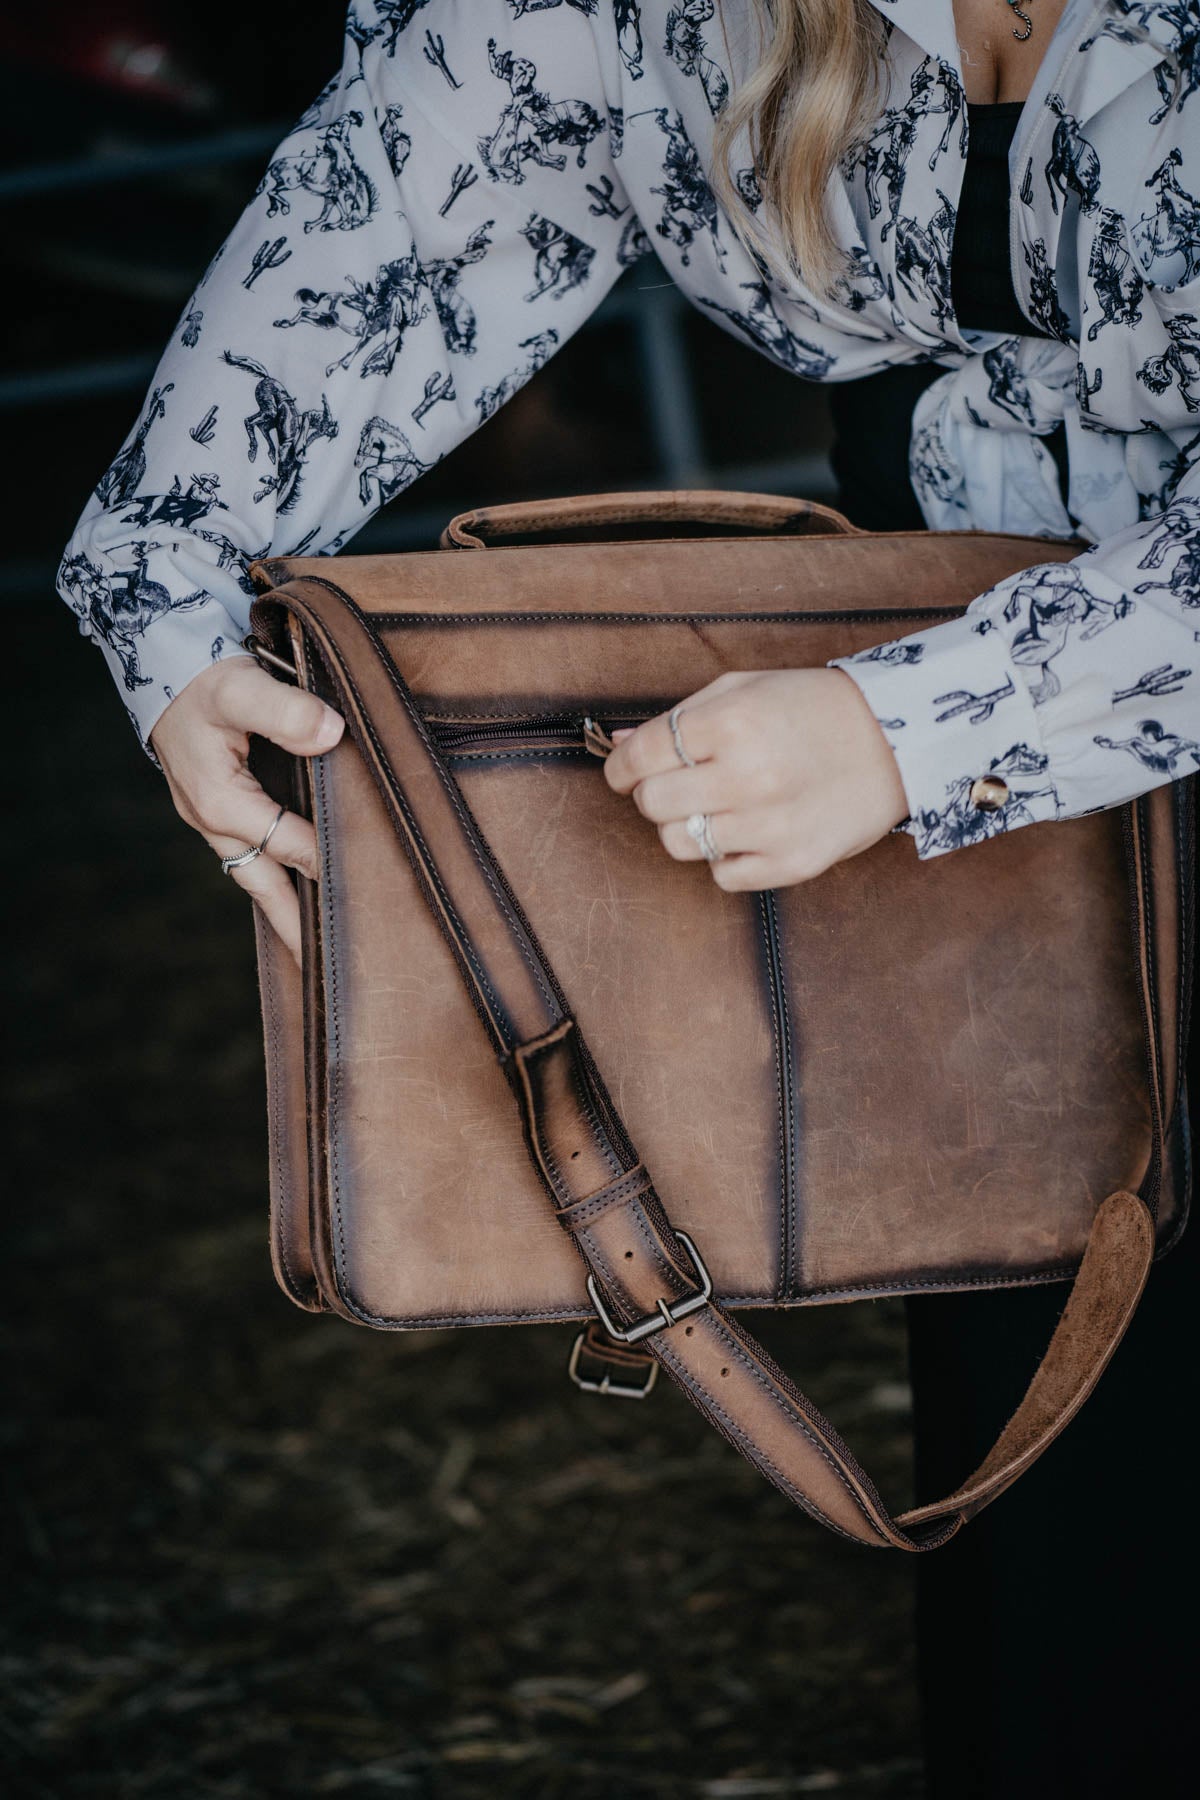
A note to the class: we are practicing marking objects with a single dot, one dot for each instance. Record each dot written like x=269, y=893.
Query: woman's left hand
x=791, y=767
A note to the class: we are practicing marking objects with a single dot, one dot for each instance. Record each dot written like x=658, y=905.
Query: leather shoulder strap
x=646, y=1278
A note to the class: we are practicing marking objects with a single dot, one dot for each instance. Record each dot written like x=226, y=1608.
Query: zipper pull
x=596, y=739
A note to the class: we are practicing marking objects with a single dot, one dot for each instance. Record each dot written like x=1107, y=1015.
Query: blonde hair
x=809, y=96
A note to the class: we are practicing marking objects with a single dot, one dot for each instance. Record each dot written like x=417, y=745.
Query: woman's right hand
x=202, y=741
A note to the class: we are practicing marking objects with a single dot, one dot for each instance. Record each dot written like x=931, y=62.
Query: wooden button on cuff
x=989, y=792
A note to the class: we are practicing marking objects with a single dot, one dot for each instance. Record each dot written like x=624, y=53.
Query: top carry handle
x=648, y=1280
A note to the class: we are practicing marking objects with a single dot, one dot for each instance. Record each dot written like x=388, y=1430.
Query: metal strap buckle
x=618, y=1390
x=261, y=655
x=669, y=1313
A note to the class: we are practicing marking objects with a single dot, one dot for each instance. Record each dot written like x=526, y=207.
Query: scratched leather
x=963, y=1097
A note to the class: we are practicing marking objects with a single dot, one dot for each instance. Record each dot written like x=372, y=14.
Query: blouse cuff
x=152, y=663
x=962, y=726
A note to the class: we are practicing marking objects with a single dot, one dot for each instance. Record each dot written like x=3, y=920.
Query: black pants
x=1057, y=1635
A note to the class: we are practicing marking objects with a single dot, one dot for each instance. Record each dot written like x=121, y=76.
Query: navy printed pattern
x=465, y=190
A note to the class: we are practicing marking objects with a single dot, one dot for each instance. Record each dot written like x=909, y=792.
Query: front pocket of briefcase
x=434, y=1212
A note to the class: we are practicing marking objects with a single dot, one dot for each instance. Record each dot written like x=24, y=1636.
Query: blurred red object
x=132, y=47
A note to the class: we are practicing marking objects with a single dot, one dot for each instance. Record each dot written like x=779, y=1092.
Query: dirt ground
x=261, y=1554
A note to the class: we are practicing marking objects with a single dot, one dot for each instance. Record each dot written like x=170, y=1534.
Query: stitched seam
x=470, y=831
x=617, y=515
x=765, y=1301
x=783, y=1286
x=990, y=537
x=275, y=1076
x=618, y=1291
x=502, y=520
x=788, y=1411
x=1186, y=883
x=599, y=1135
x=607, y=1273
x=678, y=1285
x=589, y=1206
x=943, y=1284
x=538, y=753
x=1181, y=984
x=863, y=616
x=1137, y=843
x=591, y=1210
x=526, y=1061
x=787, y=1103
x=751, y=1450
x=1151, y=964
x=586, y=1110
x=1186, y=823
x=432, y=872
x=333, y=1060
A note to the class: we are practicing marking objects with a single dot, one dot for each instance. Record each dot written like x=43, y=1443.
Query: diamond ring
x=699, y=828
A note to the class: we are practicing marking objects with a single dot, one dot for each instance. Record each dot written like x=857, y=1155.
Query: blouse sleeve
x=440, y=221
x=1073, y=686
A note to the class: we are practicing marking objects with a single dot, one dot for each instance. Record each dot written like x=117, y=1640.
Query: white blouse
x=461, y=196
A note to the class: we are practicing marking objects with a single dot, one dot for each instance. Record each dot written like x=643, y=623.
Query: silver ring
x=271, y=827
x=240, y=860
x=699, y=828
x=248, y=855
x=673, y=721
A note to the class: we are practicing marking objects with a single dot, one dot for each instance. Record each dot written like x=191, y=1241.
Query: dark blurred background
x=254, y=1553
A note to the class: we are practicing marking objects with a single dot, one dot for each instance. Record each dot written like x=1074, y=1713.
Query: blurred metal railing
x=652, y=310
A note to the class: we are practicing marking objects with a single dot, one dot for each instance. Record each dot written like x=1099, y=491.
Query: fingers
x=711, y=787
x=295, y=720
x=267, y=882
x=247, y=814
x=650, y=749
x=733, y=833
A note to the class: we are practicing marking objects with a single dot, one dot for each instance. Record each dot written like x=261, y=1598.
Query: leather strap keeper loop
x=584, y=1212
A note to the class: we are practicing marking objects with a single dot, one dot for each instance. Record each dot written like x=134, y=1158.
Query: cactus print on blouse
x=465, y=190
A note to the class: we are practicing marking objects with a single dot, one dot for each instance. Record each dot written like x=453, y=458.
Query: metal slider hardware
x=667, y=1314
x=596, y=739
x=261, y=654
x=616, y=1390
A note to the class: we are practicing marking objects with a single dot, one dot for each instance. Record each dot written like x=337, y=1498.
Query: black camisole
x=872, y=418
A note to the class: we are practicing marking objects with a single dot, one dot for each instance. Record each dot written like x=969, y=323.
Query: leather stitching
x=333, y=1060
x=500, y=519
x=749, y=1449
x=781, y=1075
x=432, y=872
x=859, y=616
x=470, y=830
x=275, y=1077
x=588, y=1112
x=572, y=1216
x=789, y=1412
x=583, y=1103
x=787, y=1104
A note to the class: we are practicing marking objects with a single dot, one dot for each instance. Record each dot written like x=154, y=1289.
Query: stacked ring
x=689, y=762
x=242, y=857
x=699, y=828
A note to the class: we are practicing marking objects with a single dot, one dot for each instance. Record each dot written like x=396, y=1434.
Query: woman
x=828, y=180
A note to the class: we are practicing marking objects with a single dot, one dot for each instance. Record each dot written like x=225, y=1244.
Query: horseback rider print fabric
x=468, y=187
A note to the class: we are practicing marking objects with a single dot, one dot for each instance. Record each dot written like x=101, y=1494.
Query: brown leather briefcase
x=535, y=1069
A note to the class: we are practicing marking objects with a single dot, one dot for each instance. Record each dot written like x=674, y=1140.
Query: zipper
x=541, y=734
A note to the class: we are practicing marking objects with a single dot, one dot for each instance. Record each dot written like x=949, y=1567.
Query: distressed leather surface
x=899, y=1075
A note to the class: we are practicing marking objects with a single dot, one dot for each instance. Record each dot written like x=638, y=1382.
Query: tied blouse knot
x=464, y=192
